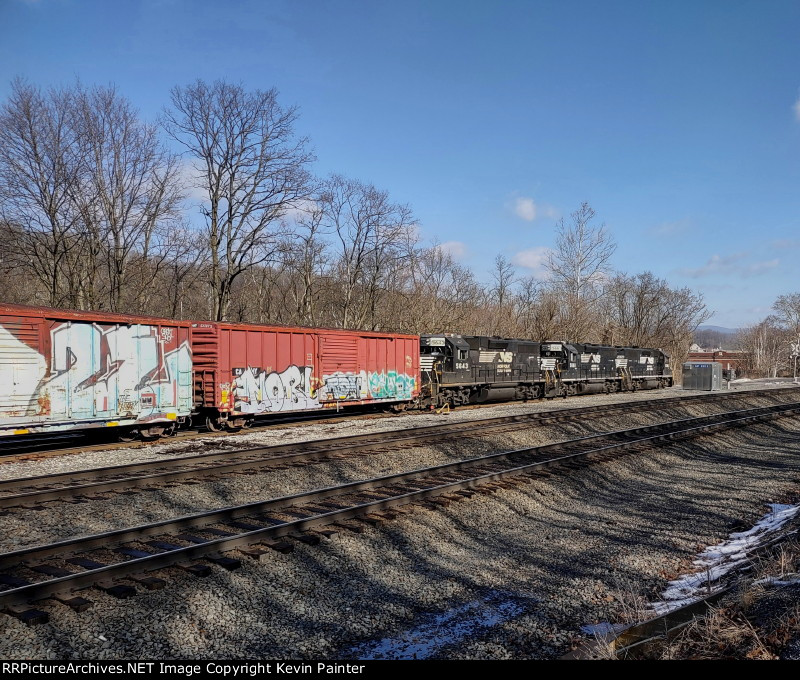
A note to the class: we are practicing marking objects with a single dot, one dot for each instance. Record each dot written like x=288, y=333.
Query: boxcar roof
x=80, y=315
x=7, y=308
x=305, y=329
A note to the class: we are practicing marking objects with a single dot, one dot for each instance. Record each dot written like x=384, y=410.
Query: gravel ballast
x=10, y=469
x=115, y=511
x=568, y=550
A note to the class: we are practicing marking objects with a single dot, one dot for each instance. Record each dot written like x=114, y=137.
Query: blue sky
x=679, y=122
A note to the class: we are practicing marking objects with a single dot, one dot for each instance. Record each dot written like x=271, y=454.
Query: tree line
x=767, y=346
x=213, y=212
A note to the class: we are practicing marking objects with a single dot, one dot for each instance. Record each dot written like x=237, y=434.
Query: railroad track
x=107, y=560
x=34, y=446
x=26, y=447
x=31, y=492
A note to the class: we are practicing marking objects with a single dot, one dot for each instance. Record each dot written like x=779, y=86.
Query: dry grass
x=629, y=603
x=756, y=621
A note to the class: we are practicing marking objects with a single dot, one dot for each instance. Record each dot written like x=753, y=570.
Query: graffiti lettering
x=363, y=386
x=257, y=391
x=341, y=386
x=103, y=371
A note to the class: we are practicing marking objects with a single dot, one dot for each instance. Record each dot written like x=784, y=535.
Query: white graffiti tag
x=257, y=391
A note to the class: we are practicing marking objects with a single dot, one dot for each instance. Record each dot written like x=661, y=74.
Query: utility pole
x=795, y=353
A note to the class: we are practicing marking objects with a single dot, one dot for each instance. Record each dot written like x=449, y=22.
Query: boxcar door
x=76, y=352
x=341, y=378
x=22, y=371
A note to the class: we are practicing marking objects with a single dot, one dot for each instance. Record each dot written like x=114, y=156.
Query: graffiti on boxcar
x=114, y=369
x=108, y=370
x=364, y=385
x=391, y=385
x=258, y=391
x=341, y=385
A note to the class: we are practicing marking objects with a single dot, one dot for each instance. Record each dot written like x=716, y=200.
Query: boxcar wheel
x=213, y=425
x=151, y=433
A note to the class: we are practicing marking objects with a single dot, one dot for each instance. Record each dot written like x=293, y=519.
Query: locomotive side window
x=462, y=355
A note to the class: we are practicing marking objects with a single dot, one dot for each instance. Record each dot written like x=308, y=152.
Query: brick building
x=729, y=360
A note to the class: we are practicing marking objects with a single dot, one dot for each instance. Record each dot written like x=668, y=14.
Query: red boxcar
x=69, y=370
x=242, y=371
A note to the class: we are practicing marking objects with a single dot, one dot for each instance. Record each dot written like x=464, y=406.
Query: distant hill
x=713, y=337
x=718, y=329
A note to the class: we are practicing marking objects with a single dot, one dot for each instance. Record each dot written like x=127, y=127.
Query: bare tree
x=307, y=259
x=547, y=320
x=18, y=285
x=525, y=303
x=252, y=167
x=764, y=346
x=174, y=269
x=645, y=311
x=582, y=256
x=131, y=187
x=369, y=231
x=503, y=278
x=579, y=263
x=442, y=293
x=39, y=177
x=787, y=308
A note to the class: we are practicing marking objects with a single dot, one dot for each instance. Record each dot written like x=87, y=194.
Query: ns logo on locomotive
x=145, y=377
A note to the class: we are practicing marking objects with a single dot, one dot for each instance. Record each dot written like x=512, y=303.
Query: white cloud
x=549, y=211
x=525, y=208
x=730, y=265
x=455, y=248
x=533, y=259
x=761, y=267
x=192, y=182
x=796, y=108
x=785, y=244
x=667, y=229
x=299, y=210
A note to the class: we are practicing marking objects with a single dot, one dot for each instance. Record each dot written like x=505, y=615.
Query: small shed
x=702, y=375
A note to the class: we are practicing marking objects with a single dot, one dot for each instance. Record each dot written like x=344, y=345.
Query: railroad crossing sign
x=795, y=349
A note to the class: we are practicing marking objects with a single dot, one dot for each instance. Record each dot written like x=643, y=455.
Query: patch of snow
x=437, y=631
x=718, y=560
x=604, y=628
x=785, y=580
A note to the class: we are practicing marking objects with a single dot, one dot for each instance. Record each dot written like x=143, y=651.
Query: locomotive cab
x=558, y=361
x=559, y=356
x=446, y=358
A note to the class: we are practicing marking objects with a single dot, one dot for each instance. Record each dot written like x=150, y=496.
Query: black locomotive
x=460, y=369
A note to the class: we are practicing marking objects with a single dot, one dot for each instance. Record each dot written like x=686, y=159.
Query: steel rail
x=402, y=488
x=65, y=485
x=7, y=442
